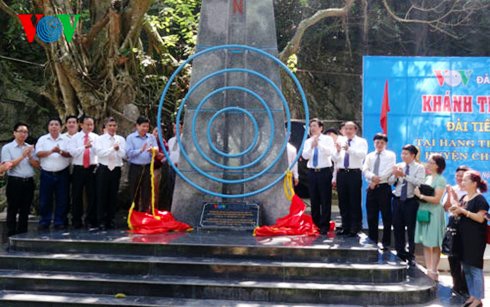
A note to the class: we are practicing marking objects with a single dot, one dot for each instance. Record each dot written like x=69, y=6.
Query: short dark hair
x=440, y=162
x=54, y=119
x=17, y=125
x=380, y=136
x=84, y=117
x=412, y=149
x=332, y=130
x=108, y=120
x=463, y=168
x=316, y=120
x=70, y=117
x=142, y=120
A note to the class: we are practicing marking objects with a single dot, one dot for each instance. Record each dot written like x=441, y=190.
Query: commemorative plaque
x=230, y=216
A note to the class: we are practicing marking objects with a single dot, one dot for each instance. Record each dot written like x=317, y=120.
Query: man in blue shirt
x=20, y=186
x=139, y=145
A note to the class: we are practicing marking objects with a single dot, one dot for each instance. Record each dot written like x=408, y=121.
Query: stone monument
x=234, y=114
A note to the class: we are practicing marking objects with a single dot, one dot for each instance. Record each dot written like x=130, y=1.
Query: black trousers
x=140, y=186
x=349, y=185
x=320, y=187
x=405, y=216
x=20, y=192
x=459, y=280
x=83, y=178
x=455, y=265
x=107, y=187
x=379, y=200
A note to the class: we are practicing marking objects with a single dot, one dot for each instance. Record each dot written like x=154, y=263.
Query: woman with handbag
x=429, y=230
x=473, y=228
x=451, y=245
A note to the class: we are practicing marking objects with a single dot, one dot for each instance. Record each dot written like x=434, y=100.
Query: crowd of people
x=80, y=173
x=412, y=198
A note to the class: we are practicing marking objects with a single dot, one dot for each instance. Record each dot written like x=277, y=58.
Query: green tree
x=120, y=56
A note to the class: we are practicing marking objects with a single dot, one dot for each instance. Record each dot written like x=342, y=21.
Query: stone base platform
x=79, y=268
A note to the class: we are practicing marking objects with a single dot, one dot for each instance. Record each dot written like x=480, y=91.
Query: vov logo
x=453, y=77
x=49, y=28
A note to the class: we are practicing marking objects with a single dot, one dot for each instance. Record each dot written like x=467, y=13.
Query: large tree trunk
x=95, y=72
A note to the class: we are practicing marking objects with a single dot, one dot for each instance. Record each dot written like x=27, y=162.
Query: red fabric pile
x=295, y=223
x=163, y=221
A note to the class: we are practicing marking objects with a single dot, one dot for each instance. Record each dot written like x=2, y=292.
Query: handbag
x=449, y=241
x=427, y=190
x=423, y=216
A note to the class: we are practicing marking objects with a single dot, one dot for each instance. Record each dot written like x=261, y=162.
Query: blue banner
x=440, y=104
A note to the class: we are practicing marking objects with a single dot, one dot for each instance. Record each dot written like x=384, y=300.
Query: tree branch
x=437, y=23
x=138, y=11
x=94, y=30
x=294, y=44
x=159, y=44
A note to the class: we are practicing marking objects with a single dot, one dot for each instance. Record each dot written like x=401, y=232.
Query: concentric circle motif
x=234, y=110
x=49, y=29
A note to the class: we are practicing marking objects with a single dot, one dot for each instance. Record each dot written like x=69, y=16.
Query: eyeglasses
x=22, y=131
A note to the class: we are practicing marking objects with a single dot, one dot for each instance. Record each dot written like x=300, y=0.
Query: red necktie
x=86, y=152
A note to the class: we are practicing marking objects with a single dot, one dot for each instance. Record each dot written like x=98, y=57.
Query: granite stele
x=233, y=144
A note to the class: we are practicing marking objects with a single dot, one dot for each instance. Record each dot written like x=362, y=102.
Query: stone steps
x=48, y=299
x=204, y=269
x=235, y=246
x=408, y=292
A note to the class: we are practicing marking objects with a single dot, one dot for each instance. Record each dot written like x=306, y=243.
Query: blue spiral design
x=267, y=109
x=49, y=29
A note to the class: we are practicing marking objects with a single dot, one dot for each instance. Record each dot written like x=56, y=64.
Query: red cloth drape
x=163, y=221
x=295, y=223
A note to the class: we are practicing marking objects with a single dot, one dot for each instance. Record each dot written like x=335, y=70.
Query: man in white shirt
x=84, y=165
x=174, y=155
x=173, y=146
x=20, y=185
x=334, y=134
x=406, y=176
x=51, y=149
x=71, y=125
x=110, y=150
x=318, y=150
x=292, y=153
x=377, y=168
x=349, y=156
